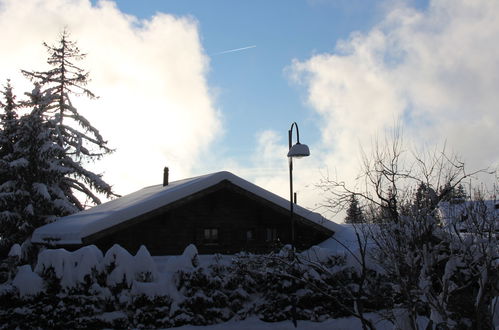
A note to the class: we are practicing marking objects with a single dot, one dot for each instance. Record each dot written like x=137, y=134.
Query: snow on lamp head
x=299, y=150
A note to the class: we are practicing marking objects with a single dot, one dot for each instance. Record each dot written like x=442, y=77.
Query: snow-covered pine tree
x=33, y=195
x=9, y=124
x=71, y=131
x=8, y=121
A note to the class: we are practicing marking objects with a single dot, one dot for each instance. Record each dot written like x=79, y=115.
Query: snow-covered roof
x=457, y=213
x=70, y=230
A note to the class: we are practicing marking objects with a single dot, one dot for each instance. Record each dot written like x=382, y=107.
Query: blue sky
x=252, y=89
x=346, y=71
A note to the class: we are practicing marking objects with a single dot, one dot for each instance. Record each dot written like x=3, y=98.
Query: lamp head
x=298, y=151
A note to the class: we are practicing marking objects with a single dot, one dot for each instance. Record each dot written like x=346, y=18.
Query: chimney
x=165, y=176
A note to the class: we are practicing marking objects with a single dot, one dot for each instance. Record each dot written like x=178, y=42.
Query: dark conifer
x=70, y=130
x=8, y=120
x=9, y=125
x=32, y=196
x=354, y=212
x=42, y=176
x=460, y=194
x=425, y=198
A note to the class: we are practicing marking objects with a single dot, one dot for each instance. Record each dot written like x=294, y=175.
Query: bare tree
x=402, y=192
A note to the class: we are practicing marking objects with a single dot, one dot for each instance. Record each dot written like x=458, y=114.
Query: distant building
x=219, y=213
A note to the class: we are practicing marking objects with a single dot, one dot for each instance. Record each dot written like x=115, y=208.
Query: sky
x=204, y=86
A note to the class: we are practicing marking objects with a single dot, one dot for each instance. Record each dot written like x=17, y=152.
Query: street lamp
x=296, y=151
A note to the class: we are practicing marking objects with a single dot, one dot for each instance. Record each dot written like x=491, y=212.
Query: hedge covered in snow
x=89, y=289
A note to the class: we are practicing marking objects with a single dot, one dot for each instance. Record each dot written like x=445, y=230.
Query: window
x=211, y=235
x=270, y=234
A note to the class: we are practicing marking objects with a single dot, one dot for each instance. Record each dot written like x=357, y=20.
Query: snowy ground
x=348, y=323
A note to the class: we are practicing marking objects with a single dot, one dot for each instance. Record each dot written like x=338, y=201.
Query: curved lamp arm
x=298, y=150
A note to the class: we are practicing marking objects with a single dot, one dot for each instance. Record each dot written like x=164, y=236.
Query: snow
x=122, y=261
x=29, y=209
x=140, y=272
x=455, y=213
x=99, y=291
x=347, y=323
x=185, y=262
x=42, y=190
x=149, y=289
x=70, y=267
x=72, y=229
x=345, y=239
x=27, y=282
x=143, y=263
x=15, y=251
x=112, y=316
x=21, y=162
x=64, y=205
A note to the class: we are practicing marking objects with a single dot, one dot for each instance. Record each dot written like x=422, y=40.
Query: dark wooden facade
x=221, y=219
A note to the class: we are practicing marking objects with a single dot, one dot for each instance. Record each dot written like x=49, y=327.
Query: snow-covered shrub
x=8, y=265
x=144, y=267
x=84, y=289
x=70, y=270
x=187, y=261
x=27, y=282
x=118, y=265
x=206, y=301
x=289, y=289
x=149, y=313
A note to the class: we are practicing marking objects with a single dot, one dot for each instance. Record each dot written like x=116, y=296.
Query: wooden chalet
x=219, y=213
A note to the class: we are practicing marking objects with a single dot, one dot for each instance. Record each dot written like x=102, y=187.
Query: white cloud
x=437, y=71
x=269, y=168
x=155, y=106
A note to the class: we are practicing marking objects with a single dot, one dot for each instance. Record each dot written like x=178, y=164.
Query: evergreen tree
x=447, y=192
x=79, y=140
x=32, y=195
x=354, y=212
x=425, y=198
x=8, y=129
x=453, y=194
x=9, y=124
x=42, y=176
x=460, y=194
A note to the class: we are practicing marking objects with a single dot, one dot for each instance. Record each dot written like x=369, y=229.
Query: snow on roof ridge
x=73, y=228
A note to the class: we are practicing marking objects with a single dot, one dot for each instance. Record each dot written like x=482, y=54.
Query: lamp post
x=297, y=150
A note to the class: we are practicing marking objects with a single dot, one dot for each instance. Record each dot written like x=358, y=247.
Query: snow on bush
x=27, y=282
x=71, y=268
x=120, y=264
x=318, y=254
x=118, y=290
x=144, y=266
x=15, y=251
x=57, y=261
x=187, y=261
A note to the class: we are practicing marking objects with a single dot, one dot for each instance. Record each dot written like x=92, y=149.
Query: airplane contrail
x=235, y=50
